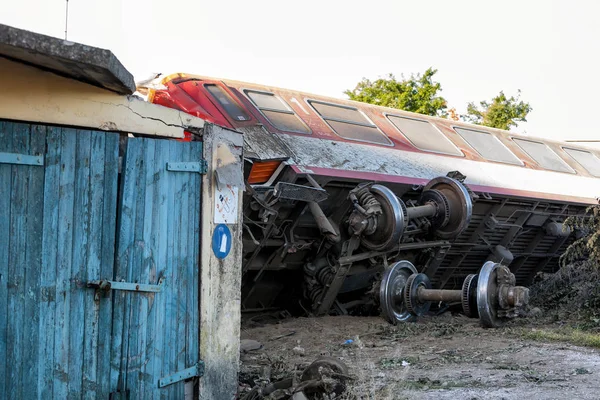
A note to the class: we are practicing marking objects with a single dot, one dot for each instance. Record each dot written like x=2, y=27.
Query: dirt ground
x=446, y=357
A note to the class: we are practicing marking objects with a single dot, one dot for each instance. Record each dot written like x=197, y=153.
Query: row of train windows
x=349, y=123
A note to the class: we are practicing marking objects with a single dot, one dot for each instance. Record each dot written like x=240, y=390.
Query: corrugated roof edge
x=92, y=65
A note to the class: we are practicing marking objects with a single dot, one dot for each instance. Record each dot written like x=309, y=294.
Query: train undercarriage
x=315, y=245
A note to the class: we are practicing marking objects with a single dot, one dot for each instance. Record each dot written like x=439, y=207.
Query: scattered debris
x=325, y=376
x=451, y=358
x=582, y=371
x=298, y=350
x=247, y=345
x=282, y=336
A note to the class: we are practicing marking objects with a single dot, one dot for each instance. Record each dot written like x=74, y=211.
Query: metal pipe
x=312, y=181
x=439, y=295
x=426, y=210
x=322, y=222
x=558, y=229
x=401, y=247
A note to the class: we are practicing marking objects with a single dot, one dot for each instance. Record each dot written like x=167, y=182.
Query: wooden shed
x=119, y=269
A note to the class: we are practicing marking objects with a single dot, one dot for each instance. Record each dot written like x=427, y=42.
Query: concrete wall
x=220, y=312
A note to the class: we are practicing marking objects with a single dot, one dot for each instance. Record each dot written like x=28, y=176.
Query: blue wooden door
x=58, y=197
x=158, y=244
x=65, y=225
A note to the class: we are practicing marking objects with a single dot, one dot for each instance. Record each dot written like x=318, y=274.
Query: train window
x=488, y=146
x=587, y=160
x=349, y=123
x=267, y=101
x=277, y=112
x=424, y=136
x=340, y=113
x=543, y=155
x=231, y=106
x=285, y=122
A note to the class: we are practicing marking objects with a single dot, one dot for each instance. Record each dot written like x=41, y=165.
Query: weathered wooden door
x=158, y=244
x=98, y=281
x=58, y=192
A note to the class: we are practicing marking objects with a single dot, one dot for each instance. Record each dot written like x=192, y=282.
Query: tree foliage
x=573, y=292
x=421, y=94
x=418, y=94
x=587, y=246
x=502, y=112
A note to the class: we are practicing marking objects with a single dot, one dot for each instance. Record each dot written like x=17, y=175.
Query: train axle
x=492, y=295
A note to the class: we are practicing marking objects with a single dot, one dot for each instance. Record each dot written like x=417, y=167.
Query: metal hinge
x=199, y=166
x=24, y=159
x=195, y=371
x=105, y=286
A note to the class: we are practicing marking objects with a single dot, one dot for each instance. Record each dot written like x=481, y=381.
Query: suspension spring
x=367, y=200
x=325, y=276
x=314, y=294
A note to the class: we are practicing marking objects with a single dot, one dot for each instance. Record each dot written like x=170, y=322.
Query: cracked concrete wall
x=220, y=283
x=32, y=95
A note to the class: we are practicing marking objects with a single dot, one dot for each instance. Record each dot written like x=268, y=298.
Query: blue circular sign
x=221, y=241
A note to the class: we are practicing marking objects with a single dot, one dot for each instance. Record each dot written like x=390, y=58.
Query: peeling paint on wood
x=46, y=350
x=156, y=239
x=58, y=339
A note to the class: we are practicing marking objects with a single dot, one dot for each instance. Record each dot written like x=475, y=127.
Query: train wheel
x=487, y=295
x=390, y=224
x=498, y=299
x=391, y=292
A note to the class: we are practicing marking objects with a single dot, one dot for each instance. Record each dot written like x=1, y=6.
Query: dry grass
x=566, y=335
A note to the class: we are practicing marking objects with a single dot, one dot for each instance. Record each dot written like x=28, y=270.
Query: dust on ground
x=444, y=357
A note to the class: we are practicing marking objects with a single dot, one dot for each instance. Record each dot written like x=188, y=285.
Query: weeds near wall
x=587, y=245
x=571, y=295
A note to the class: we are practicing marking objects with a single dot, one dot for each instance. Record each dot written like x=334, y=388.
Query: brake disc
x=460, y=205
x=411, y=294
x=469, y=296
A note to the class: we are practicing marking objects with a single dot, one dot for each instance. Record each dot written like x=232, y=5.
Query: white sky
x=548, y=49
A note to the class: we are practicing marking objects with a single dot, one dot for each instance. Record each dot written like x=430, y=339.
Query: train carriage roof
x=517, y=162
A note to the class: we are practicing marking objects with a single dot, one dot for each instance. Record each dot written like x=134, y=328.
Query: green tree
x=418, y=94
x=501, y=112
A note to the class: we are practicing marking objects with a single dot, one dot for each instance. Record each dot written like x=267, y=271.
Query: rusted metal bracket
x=106, y=285
x=199, y=167
x=23, y=159
x=195, y=371
x=292, y=191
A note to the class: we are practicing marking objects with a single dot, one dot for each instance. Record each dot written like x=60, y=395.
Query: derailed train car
x=351, y=207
